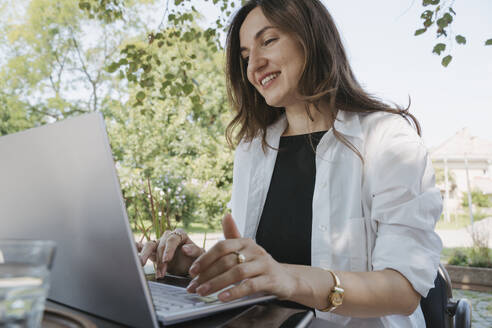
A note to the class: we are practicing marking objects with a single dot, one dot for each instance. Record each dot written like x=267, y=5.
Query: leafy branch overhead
x=139, y=60
x=439, y=15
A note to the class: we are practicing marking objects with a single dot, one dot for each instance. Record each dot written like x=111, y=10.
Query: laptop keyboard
x=169, y=299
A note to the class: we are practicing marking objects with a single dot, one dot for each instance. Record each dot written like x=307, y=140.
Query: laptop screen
x=58, y=182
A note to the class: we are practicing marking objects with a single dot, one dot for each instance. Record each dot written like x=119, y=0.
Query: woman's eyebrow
x=258, y=35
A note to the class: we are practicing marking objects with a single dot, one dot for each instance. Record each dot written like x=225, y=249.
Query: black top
x=285, y=225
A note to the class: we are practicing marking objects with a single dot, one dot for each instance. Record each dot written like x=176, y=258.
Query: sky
x=393, y=64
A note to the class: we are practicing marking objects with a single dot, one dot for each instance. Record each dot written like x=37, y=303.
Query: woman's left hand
x=220, y=267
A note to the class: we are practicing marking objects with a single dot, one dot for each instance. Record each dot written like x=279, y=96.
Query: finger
x=161, y=271
x=245, y=288
x=160, y=250
x=220, y=266
x=173, y=240
x=139, y=246
x=229, y=227
x=147, y=250
x=153, y=256
x=219, y=250
x=192, y=250
x=234, y=275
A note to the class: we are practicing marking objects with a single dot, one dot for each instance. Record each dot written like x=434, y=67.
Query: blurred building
x=467, y=164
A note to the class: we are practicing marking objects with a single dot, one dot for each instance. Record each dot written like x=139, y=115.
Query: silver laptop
x=59, y=182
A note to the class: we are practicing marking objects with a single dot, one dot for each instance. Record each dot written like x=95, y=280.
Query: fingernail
x=224, y=296
x=203, y=289
x=192, y=286
x=194, y=268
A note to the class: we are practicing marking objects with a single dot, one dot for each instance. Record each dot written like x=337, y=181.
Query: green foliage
x=13, y=117
x=478, y=198
x=481, y=257
x=474, y=257
x=459, y=257
x=446, y=60
x=438, y=48
x=439, y=14
x=460, y=39
x=175, y=129
x=162, y=94
x=105, y=10
x=440, y=179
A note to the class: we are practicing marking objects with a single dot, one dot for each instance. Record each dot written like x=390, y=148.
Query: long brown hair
x=326, y=78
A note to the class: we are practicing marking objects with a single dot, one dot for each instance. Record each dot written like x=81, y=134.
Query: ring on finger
x=240, y=257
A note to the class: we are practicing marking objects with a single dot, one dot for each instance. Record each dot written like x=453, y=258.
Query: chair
x=440, y=309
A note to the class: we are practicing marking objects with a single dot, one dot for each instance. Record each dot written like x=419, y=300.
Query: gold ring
x=240, y=258
x=178, y=233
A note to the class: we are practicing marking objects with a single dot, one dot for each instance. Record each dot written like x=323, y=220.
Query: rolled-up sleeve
x=406, y=206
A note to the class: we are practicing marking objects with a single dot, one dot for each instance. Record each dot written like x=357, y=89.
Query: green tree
x=55, y=58
x=478, y=198
x=175, y=136
x=166, y=121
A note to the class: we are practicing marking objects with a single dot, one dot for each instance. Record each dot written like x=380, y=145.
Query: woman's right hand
x=174, y=252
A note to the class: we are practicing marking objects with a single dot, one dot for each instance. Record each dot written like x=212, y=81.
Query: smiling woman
x=333, y=200
x=274, y=60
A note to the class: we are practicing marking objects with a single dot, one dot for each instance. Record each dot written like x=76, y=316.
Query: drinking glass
x=24, y=281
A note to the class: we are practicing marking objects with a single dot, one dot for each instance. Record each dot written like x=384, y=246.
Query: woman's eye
x=246, y=60
x=268, y=41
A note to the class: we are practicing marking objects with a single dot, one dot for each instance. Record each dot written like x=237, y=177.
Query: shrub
x=459, y=258
x=478, y=198
x=481, y=257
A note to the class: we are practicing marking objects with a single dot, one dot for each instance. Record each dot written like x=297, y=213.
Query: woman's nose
x=256, y=61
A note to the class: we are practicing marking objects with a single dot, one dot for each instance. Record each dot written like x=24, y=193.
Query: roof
x=459, y=144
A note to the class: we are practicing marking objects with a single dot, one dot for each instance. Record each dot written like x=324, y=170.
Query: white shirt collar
x=347, y=123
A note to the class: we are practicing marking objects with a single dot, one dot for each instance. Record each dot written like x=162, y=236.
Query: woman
x=333, y=190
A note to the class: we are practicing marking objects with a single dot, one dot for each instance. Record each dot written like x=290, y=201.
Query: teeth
x=269, y=78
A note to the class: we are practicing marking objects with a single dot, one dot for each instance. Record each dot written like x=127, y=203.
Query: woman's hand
x=220, y=267
x=174, y=252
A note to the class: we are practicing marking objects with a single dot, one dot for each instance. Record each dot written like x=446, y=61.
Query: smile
x=269, y=78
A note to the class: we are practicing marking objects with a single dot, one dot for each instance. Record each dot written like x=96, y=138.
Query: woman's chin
x=274, y=103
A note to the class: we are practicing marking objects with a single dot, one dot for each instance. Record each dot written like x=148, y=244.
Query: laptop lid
x=59, y=182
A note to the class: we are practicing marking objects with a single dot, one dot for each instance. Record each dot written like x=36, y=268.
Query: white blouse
x=367, y=216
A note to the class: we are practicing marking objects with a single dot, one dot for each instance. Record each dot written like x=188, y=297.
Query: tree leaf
x=488, y=42
x=460, y=39
x=140, y=96
x=446, y=60
x=188, y=88
x=113, y=67
x=438, y=48
x=420, y=31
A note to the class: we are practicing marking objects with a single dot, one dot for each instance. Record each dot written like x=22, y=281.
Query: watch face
x=337, y=296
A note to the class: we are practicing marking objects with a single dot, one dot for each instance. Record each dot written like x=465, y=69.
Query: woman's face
x=275, y=59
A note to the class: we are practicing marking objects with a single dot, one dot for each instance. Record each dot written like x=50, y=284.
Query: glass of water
x=24, y=281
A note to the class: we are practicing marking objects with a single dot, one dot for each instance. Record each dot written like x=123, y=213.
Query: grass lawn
x=459, y=221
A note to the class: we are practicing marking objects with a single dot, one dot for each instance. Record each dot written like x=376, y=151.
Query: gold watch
x=335, y=298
